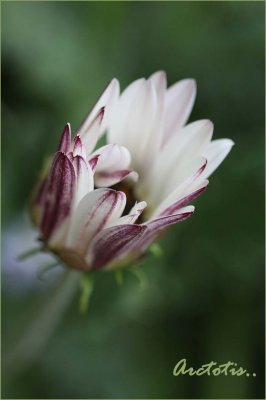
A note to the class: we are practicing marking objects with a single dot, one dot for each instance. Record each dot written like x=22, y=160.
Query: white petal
x=107, y=100
x=159, y=81
x=215, y=154
x=91, y=134
x=179, y=102
x=134, y=119
x=119, y=117
x=113, y=165
x=112, y=157
x=177, y=156
x=192, y=181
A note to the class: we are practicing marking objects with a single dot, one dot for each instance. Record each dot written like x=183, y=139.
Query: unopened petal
x=84, y=177
x=65, y=141
x=59, y=194
x=94, y=212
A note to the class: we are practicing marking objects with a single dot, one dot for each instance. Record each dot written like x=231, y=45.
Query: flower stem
x=31, y=345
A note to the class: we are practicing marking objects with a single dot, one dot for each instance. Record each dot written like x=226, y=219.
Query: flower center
x=132, y=199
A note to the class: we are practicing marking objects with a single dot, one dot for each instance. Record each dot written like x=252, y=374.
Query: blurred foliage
x=205, y=295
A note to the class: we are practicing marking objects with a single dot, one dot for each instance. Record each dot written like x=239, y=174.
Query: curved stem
x=34, y=340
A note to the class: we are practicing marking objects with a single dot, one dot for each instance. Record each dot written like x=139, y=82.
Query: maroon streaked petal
x=65, y=140
x=84, y=177
x=93, y=161
x=105, y=179
x=157, y=225
x=113, y=243
x=107, y=99
x=97, y=209
x=91, y=134
x=173, y=208
x=78, y=147
x=59, y=194
x=70, y=156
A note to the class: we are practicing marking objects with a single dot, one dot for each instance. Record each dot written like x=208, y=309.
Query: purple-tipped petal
x=84, y=178
x=105, y=179
x=78, y=147
x=58, y=195
x=65, y=140
x=110, y=245
x=93, y=161
x=95, y=211
x=91, y=134
x=107, y=100
x=173, y=208
x=113, y=165
x=155, y=226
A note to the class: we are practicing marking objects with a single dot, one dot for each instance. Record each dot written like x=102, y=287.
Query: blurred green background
x=204, y=297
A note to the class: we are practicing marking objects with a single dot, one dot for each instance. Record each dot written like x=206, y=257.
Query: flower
x=88, y=204
x=173, y=160
x=77, y=222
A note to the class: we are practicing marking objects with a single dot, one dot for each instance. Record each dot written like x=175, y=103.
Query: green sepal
x=156, y=250
x=86, y=289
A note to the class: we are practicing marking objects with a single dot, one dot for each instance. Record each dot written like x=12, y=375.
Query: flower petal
x=215, y=154
x=176, y=157
x=191, y=182
x=93, y=161
x=84, y=177
x=58, y=198
x=180, y=98
x=91, y=134
x=173, y=208
x=113, y=244
x=133, y=215
x=134, y=117
x=65, y=141
x=78, y=147
x=112, y=166
x=159, y=81
x=107, y=179
x=155, y=226
x=107, y=101
x=94, y=212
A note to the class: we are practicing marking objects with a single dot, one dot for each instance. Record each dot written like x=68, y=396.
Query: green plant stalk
x=31, y=345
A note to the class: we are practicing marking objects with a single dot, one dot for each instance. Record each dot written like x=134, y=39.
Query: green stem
x=31, y=345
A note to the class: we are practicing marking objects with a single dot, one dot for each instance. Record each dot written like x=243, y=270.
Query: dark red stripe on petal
x=173, y=208
x=114, y=242
x=201, y=169
x=59, y=194
x=65, y=140
x=111, y=178
x=111, y=198
x=78, y=148
x=79, y=162
x=94, y=161
x=158, y=224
